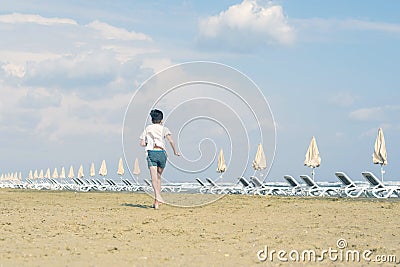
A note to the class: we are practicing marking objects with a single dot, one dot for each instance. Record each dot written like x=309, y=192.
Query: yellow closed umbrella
x=380, y=155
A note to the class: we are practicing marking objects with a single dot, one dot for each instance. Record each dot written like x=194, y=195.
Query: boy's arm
x=142, y=142
x=171, y=141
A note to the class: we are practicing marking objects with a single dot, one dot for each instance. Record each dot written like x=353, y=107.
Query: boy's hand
x=177, y=154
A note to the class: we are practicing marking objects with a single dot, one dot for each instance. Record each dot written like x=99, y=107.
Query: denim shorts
x=156, y=158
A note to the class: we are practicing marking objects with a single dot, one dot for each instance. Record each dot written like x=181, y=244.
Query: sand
x=52, y=228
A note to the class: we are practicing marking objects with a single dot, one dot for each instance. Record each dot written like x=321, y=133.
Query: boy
x=153, y=139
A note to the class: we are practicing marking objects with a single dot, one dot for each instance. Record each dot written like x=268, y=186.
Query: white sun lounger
x=264, y=189
x=320, y=191
x=350, y=188
x=295, y=189
x=379, y=189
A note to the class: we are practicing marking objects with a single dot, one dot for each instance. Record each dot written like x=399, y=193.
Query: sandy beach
x=53, y=228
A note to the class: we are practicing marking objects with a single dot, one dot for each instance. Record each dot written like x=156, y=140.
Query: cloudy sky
x=328, y=69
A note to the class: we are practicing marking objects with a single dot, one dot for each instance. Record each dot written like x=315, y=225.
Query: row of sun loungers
x=375, y=188
x=348, y=188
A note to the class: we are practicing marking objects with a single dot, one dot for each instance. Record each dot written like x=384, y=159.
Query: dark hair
x=156, y=116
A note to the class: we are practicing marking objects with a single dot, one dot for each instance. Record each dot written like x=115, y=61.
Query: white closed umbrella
x=62, y=174
x=47, y=175
x=30, y=175
x=71, y=174
x=92, y=172
x=380, y=154
x=260, y=161
x=80, y=172
x=41, y=175
x=103, y=170
x=120, y=170
x=55, y=174
x=221, y=162
x=313, y=158
x=35, y=175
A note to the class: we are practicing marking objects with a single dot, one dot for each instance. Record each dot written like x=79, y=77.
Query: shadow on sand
x=141, y=206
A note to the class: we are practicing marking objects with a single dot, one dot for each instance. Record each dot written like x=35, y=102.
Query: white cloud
x=317, y=29
x=17, y=18
x=249, y=21
x=72, y=79
x=375, y=113
x=367, y=114
x=111, y=32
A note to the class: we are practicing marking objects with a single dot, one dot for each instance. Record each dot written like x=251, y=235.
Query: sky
x=70, y=71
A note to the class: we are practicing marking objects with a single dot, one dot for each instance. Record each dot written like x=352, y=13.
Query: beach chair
x=295, y=188
x=379, y=189
x=264, y=189
x=247, y=187
x=203, y=189
x=221, y=189
x=319, y=191
x=350, y=189
x=164, y=188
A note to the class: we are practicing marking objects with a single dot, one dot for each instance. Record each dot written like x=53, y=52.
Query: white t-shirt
x=154, y=135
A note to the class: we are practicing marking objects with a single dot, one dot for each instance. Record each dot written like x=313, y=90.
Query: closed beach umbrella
x=120, y=170
x=62, y=174
x=136, y=169
x=41, y=176
x=380, y=155
x=92, y=172
x=30, y=175
x=80, y=172
x=20, y=176
x=313, y=159
x=221, y=162
x=55, y=174
x=103, y=168
x=260, y=161
x=47, y=175
x=35, y=175
x=71, y=172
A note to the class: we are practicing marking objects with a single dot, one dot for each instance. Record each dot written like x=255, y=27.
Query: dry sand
x=43, y=228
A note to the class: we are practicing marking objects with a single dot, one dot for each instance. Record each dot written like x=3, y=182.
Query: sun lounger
x=203, y=188
x=379, y=189
x=350, y=189
x=264, y=189
x=247, y=187
x=320, y=191
x=295, y=188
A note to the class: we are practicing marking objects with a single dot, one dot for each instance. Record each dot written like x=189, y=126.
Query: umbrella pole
x=382, y=172
x=312, y=174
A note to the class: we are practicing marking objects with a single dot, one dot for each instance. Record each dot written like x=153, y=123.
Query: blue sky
x=328, y=69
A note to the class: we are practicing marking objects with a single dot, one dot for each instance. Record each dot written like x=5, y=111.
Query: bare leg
x=155, y=184
x=159, y=173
